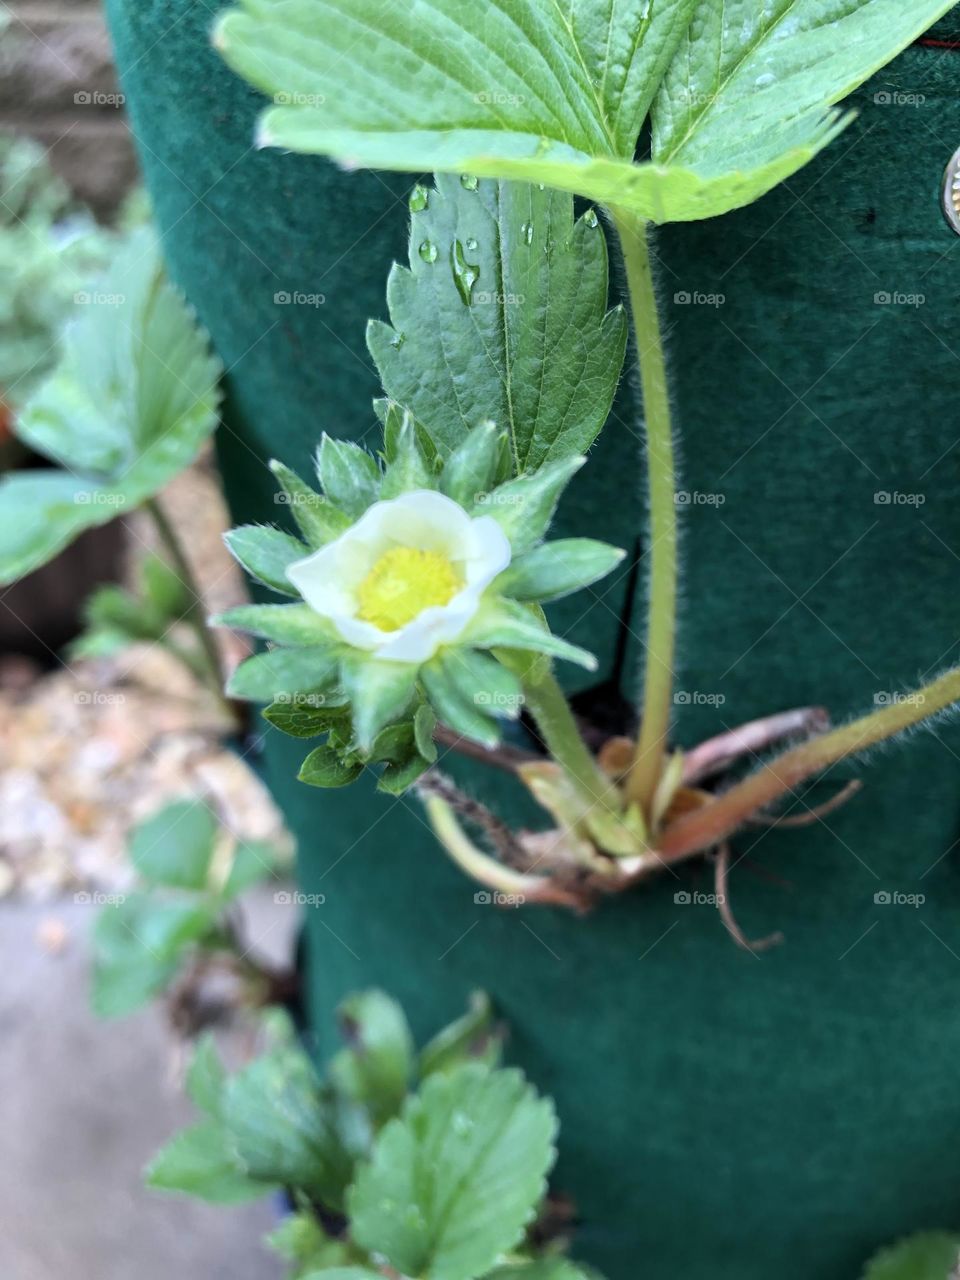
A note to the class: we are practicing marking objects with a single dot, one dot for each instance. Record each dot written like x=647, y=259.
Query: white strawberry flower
x=407, y=578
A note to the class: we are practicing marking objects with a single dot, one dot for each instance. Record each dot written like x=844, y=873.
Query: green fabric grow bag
x=724, y=1116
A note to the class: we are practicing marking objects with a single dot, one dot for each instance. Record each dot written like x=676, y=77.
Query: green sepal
x=424, y=724
x=292, y=624
x=471, y=470
x=317, y=518
x=328, y=767
x=505, y=624
x=408, y=469
x=349, y=475
x=266, y=554
x=379, y=693
x=556, y=569
x=266, y=676
x=391, y=416
x=524, y=507
x=455, y=709
x=484, y=682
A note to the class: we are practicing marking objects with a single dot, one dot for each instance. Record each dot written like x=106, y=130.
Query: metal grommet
x=950, y=195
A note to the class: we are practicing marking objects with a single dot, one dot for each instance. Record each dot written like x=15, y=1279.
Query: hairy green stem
x=706, y=827
x=195, y=615
x=661, y=481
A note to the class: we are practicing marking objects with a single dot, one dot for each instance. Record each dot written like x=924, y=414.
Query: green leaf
x=557, y=569
x=326, y=767
x=400, y=776
x=266, y=554
x=304, y=716
x=253, y=861
x=199, y=1162
x=375, y=1068
x=930, y=1256
x=315, y=515
x=302, y=1241
x=129, y=405
x=350, y=476
x=268, y=676
x=472, y=1038
x=206, y=1077
x=544, y=1269
x=453, y=1183
x=379, y=693
x=285, y=1129
x=163, y=591
x=536, y=350
x=292, y=624
x=175, y=846
x=504, y=624
x=542, y=92
x=138, y=946
x=524, y=507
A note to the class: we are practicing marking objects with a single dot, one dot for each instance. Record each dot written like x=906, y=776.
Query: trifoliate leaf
x=531, y=345
x=175, y=846
x=536, y=91
x=472, y=1038
x=327, y=767
x=455, y=1180
x=379, y=693
x=314, y=514
x=293, y=624
x=129, y=405
x=266, y=554
x=504, y=624
x=376, y=1066
x=278, y=672
x=557, y=569
x=350, y=476
x=524, y=507
x=933, y=1255
x=200, y=1162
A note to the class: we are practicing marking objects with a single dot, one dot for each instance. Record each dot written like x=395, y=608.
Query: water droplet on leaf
x=465, y=274
x=527, y=232
x=469, y=181
x=419, y=198
x=590, y=218
x=428, y=251
x=472, y=245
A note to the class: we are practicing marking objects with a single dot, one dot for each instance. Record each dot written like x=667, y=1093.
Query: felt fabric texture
x=723, y=1115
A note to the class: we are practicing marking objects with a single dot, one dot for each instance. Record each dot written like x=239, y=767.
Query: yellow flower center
x=402, y=584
